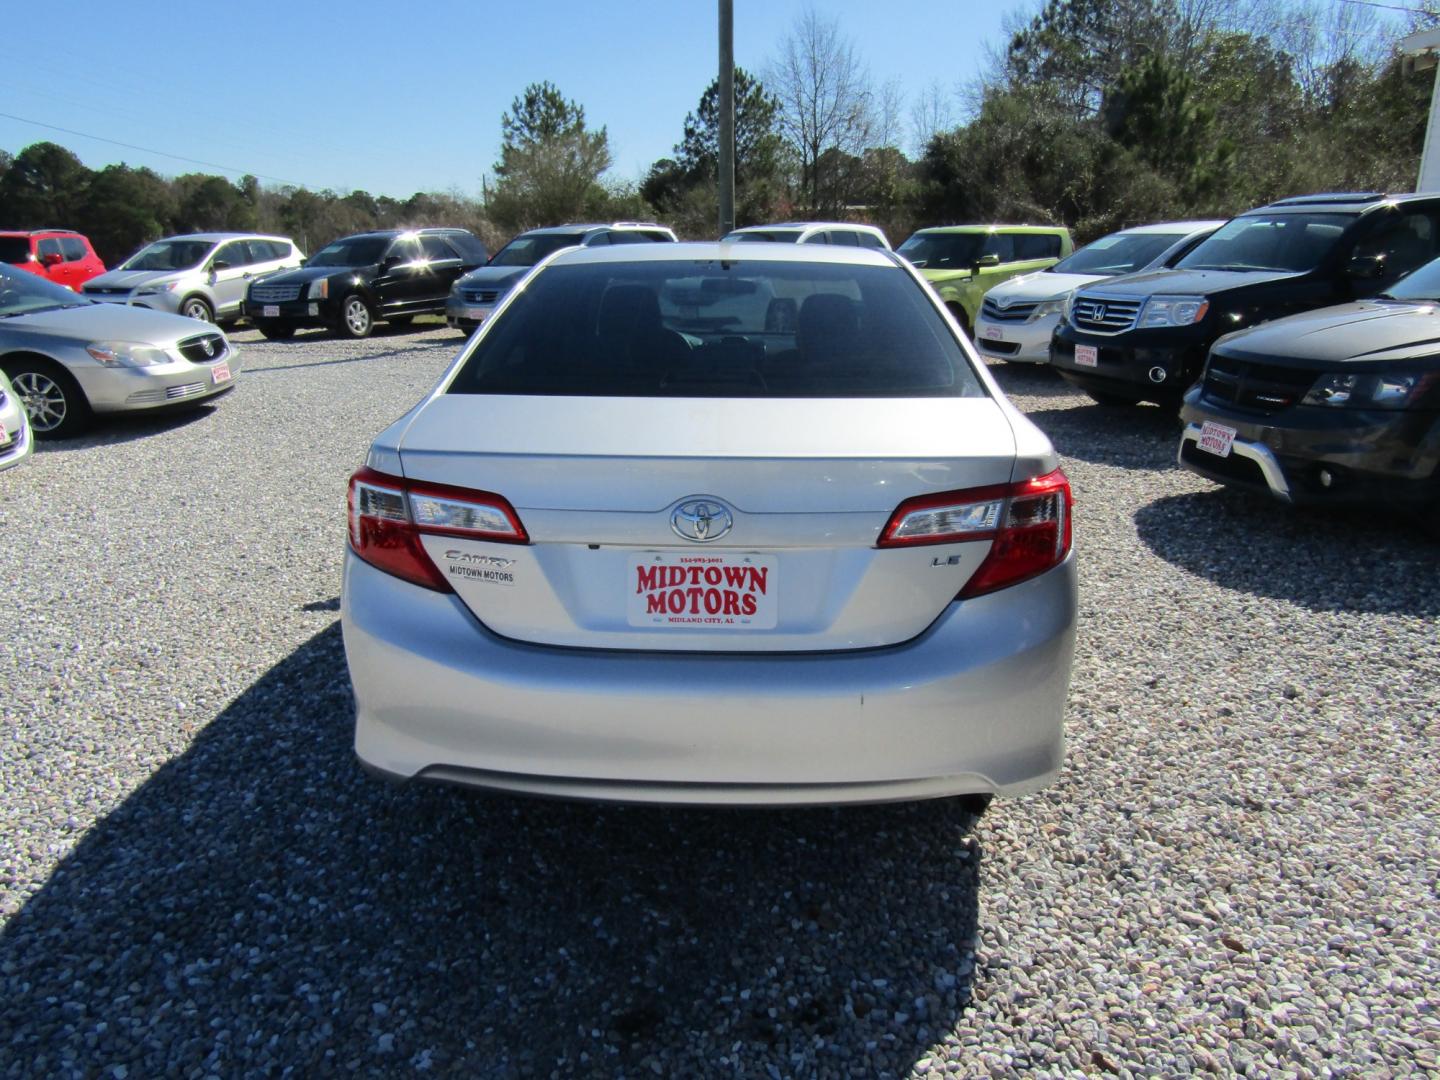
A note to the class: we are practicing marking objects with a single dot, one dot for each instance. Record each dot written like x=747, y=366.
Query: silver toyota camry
x=713, y=523
x=69, y=358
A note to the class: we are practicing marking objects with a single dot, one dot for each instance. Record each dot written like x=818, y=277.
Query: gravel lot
x=1236, y=874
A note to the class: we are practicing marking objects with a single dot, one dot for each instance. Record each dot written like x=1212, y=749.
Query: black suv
x=1144, y=337
x=350, y=284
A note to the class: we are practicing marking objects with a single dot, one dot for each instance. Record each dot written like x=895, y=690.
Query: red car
x=61, y=255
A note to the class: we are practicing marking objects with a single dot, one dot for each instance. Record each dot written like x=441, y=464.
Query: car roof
x=728, y=252
x=591, y=226
x=1045, y=229
x=1175, y=227
x=41, y=232
x=215, y=237
x=1346, y=202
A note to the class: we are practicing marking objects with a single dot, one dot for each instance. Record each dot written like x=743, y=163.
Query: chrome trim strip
x=1253, y=451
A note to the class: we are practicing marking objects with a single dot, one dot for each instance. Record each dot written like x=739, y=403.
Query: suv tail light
x=389, y=514
x=1028, y=524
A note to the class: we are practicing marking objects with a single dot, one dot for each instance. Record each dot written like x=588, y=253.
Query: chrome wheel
x=196, y=308
x=357, y=317
x=44, y=400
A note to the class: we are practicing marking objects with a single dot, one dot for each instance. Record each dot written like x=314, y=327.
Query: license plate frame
x=1087, y=356
x=717, y=591
x=220, y=373
x=270, y=311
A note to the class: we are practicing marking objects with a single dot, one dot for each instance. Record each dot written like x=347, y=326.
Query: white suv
x=840, y=233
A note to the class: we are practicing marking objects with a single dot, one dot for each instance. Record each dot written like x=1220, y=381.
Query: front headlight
x=129, y=354
x=318, y=290
x=1379, y=391
x=161, y=287
x=1046, y=308
x=1172, y=311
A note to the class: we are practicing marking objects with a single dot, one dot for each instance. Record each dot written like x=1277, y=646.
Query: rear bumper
x=973, y=705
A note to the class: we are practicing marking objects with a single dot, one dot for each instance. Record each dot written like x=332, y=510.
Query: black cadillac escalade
x=1144, y=337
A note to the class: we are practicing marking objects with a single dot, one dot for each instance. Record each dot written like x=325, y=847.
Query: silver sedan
x=69, y=358
x=713, y=524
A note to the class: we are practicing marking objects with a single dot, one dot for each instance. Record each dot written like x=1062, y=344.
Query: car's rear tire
x=275, y=329
x=974, y=805
x=1111, y=400
x=53, y=400
x=197, y=307
x=356, y=318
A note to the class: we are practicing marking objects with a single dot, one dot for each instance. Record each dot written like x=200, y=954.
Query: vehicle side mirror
x=304, y=260
x=1366, y=267
x=987, y=260
x=51, y=258
x=220, y=264
x=389, y=262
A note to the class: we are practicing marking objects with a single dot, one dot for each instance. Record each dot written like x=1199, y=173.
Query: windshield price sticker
x=1087, y=356
x=701, y=592
x=1216, y=438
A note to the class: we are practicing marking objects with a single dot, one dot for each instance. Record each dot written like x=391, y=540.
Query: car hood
x=1371, y=331
x=1042, y=286
x=1188, y=282
x=133, y=279
x=107, y=322
x=494, y=275
x=303, y=274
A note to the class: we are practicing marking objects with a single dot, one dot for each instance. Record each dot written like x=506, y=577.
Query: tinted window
x=73, y=248
x=636, y=236
x=598, y=239
x=944, y=251
x=169, y=255
x=765, y=237
x=843, y=237
x=712, y=329
x=352, y=251
x=1043, y=246
x=50, y=245
x=435, y=247
x=14, y=249
x=1423, y=284
x=404, y=249
x=1402, y=242
x=1293, y=242
x=1118, y=253
x=870, y=240
x=471, y=249
x=1001, y=246
x=528, y=250
x=236, y=253
x=22, y=293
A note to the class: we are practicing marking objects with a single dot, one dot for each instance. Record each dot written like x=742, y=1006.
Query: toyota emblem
x=701, y=520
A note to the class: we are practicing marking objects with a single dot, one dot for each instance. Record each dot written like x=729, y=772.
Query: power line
x=148, y=150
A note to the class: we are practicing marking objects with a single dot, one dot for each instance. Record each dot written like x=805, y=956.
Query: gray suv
x=203, y=275
x=476, y=295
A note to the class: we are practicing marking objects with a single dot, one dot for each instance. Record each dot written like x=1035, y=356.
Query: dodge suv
x=352, y=283
x=1144, y=337
x=964, y=262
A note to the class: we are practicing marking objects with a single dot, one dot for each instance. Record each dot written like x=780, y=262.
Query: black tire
x=961, y=318
x=197, y=307
x=1430, y=520
x=400, y=321
x=1112, y=401
x=275, y=329
x=975, y=805
x=56, y=405
x=356, y=319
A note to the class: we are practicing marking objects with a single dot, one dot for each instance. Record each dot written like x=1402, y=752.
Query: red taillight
x=389, y=514
x=1028, y=524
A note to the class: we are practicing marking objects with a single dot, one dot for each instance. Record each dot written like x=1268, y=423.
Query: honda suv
x=351, y=283
x=476, y=295
x=1144, y=337
x=63, y=256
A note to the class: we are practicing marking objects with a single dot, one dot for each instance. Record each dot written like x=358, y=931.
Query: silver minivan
x=202, y=275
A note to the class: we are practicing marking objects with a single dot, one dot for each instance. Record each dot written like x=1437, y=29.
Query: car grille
x=999, y=348
x=274, y=294
x=480, y=296
x=16, y=444
x=1241, y=470
x=103, y=290
x=989, y=309
x=1261, y=388
x=1103, y=315
x=170, y=393
x=205, y=349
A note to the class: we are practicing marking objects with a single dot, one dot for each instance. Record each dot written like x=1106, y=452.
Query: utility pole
x=727, y=116
x=1422, y=47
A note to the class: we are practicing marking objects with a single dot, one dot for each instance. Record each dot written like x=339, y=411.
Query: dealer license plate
x=4, y=436
x=992, y=333
x=673, y=591
x=1216, y=438
x=270, y=311
x=1087, y=356
x=220, y=373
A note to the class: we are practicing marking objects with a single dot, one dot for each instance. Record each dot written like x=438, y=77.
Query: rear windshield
x=14, y=249
x=1119, y=253
x=528, y=250
x=720, y=329
x=352, y=251
x=764, y=237
x=1287, y=242
x=169, y=255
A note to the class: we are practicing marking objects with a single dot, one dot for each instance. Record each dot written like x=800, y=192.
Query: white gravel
x=1236, y=874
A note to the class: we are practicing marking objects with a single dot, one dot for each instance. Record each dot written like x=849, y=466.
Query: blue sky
x=407, y=95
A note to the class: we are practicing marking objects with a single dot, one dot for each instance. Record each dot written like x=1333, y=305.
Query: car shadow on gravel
x=260, y=903
x=1323, y=559
x=1138, y=437
x=113, y=428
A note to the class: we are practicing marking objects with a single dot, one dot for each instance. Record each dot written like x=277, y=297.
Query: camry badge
x=701, y=520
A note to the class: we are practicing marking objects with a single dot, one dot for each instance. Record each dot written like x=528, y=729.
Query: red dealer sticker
x=701, y=592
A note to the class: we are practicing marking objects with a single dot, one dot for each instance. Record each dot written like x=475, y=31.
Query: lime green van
x=964, y=262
